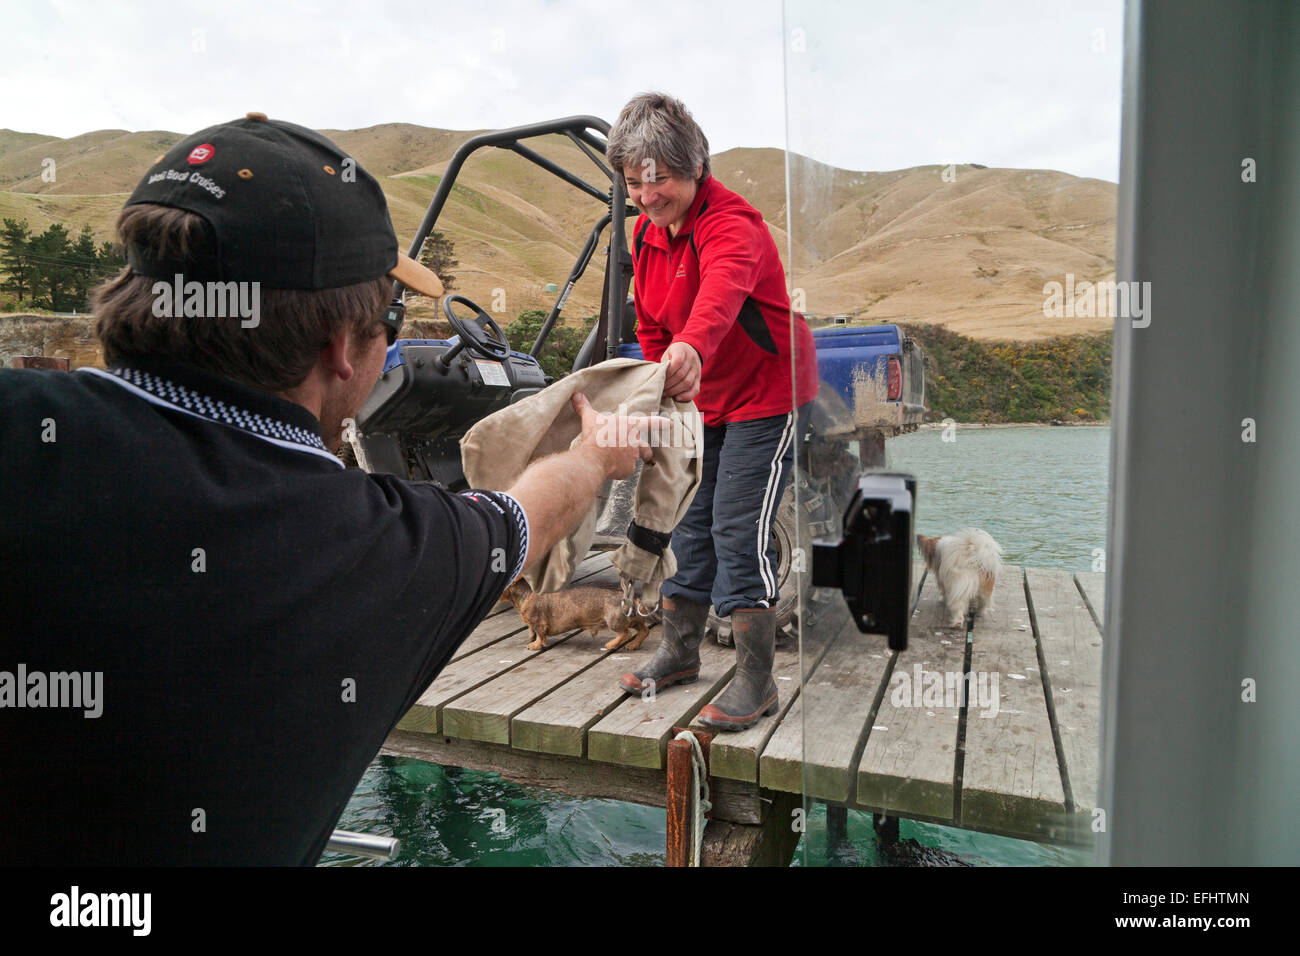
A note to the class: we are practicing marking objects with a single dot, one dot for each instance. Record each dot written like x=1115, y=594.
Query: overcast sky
x=872, y=85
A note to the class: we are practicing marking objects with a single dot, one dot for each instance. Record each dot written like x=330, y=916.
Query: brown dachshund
x=588, y=608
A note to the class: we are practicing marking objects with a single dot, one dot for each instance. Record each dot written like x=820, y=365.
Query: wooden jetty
x=872, y=730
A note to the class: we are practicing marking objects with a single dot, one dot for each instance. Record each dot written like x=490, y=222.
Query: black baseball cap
x=284, y=206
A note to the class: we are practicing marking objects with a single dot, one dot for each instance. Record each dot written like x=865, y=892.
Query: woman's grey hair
x=658, y=127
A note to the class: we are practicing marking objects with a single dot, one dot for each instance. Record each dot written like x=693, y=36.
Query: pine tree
x=52, y=273
x=110, y=259
x=439, y=254
x=86, y=269
x=15, y=238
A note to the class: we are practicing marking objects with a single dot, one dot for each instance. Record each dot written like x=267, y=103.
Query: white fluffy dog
x=966, y=564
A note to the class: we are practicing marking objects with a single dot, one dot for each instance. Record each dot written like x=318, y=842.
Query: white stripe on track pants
x=723, y=545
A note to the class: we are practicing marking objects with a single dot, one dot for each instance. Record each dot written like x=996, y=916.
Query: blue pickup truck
x=432, y=391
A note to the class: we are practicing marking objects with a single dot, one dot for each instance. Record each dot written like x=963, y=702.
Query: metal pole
x=614, y=266
x=363, y=844
x=579, y=267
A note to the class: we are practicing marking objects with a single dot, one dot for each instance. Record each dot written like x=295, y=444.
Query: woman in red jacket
x=712, y=303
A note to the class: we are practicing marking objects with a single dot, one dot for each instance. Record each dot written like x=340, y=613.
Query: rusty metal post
x=680, y=835
x=41, y=361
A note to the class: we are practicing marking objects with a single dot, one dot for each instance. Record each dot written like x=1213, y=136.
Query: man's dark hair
x=276, y=355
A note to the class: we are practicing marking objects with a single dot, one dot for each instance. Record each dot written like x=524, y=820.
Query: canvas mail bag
x=495, y=452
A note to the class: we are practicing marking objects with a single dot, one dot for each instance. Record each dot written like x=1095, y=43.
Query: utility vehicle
x=433, y=390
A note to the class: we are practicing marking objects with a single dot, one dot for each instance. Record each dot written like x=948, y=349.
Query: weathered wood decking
x=857, y=735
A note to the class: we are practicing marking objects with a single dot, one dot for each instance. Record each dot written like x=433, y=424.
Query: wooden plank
x=1011, y=780
x=486, y=712
x=837, y=699
x=635, y=732
x=784, y=758
x=493, y=631
x=605, y=575
x=738, y=801
x=909, y=763
x=771, y=844
x=919, y=574
x=732, y=801
x=464, y=675
x=735, y=755
x=1070, y=645
x=1093, y=586
x=558, y=722
x=502, y=630
x=569, y=775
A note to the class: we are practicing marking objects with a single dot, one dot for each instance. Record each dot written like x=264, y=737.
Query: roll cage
x=615, y=326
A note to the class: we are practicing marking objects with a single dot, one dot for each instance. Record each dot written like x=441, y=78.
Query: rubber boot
x=752, y=691
x=677, y=658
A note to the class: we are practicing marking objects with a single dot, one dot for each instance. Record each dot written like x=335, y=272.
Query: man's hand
x=557, y=491
x=683, y=380
x=618, y=441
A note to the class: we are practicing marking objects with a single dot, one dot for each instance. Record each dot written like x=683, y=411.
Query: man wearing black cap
x=209, y=626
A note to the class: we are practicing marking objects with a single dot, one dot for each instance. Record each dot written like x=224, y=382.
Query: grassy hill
x=906, y=245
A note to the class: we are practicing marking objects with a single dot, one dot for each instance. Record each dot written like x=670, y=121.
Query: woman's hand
x=683, y=381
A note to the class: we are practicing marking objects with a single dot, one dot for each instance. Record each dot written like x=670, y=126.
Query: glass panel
x=951, y=194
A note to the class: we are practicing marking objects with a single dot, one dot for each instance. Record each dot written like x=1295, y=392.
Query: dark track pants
x=723, y=545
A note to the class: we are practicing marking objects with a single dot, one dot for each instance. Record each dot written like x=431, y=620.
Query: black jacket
x=261, y=617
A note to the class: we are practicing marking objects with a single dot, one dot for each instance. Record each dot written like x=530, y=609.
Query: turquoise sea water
x=1041, y=492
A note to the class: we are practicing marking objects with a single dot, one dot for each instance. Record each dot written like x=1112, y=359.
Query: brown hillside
x=397, y=147
x=105, y=161
x=13, y=140
x=905, y=245
x=902, y=245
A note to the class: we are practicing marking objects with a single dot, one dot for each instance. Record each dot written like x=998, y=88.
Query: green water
x=447, y=816
x=1041, y=492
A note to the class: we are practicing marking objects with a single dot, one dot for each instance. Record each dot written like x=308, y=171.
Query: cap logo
x=201, y=154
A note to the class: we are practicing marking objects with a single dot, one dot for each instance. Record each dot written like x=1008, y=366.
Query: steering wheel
x=474, y=333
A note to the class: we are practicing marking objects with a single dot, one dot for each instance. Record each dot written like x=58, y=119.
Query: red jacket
x=718, y=285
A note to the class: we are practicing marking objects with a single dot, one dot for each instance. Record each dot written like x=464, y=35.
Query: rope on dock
x=700, y=804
